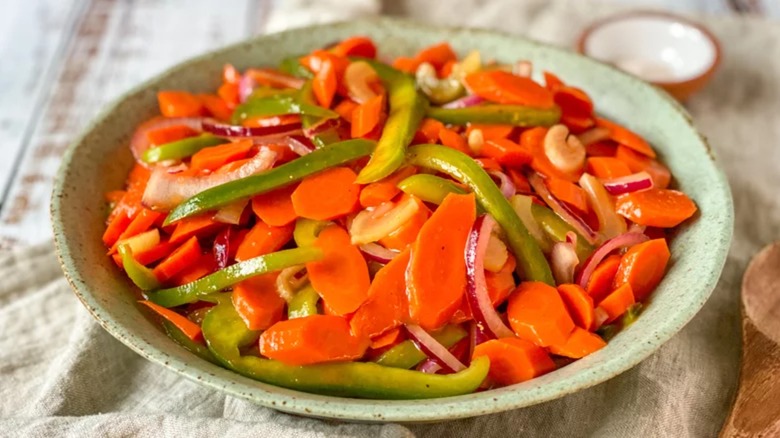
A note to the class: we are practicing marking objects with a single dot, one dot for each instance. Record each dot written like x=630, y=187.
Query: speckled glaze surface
x=100, y=160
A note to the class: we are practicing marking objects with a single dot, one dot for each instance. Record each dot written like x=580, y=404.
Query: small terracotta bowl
x=666, y=50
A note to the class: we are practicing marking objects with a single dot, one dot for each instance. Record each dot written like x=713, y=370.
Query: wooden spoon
x=756, y=410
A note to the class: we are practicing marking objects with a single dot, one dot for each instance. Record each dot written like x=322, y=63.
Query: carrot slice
x=504, y=87
x=656, y=207
x=367, y=116
x=626, y=137
x=116, y=226
x=391, y=337
x=519, y=180
x=506, y=152
x=229, y=93
x=275, y=208
x=189, y=328
x=537, y=314
x=341, y=277
x=453, y=140
x=489, y=164
x=617, y=302
x=311, y=339
x=216, y=106
x=327, y=195
x=141, y=223
x=325, y=83
x=407, y=233
x=179, y=104
x=406, y=64
x=385, y=189
x=568, y=192
x=578, y=303
x=573, y=102
x=514, y=360
x=214, y=157
x=490, y=132
x=257, y=301
x=551, y=81
x=437, y=55
x=202, y=226
x=178, y=260
x=605, y=148
x=533, y=140
x=581, y=343
x=437, y=271
x=607, y=167
x=202, y=267
x=355, y=46
x=168, y=134
x=499, y=286
x=643, y=267
x=638, y=163
x=346, y=108
x=387, y=306
x=600, y=283
x=161, y=250
x=428, y=132
x=263, y=239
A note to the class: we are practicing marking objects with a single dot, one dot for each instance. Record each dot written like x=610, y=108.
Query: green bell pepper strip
x=303, y=303
x=556, y=228
x=279, y=105
x=179, y=149
x=288, y=173
x=307, y=230
x=224, y=278
x=406, y=354
x=632, y=313
x=429, y=188
x=293, y=67
x=531, y=263
x=515, y=115
x=407, y=108
x=226, y=334
x=141, y=276
x=188, y=344
x=324, y=137
x=264, y=91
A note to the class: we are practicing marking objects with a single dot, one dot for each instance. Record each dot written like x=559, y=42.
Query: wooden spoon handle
x=756, y=410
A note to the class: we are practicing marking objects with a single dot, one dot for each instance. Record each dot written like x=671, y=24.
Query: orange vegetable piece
x=499, y=285
x=437, y=55
x=489, y=164
x=385, y=189
x=406, y=64
x=638, y=162
x=626, y=137
x=581, y=343
x=263, y=239
x=578, y=303
x=617, y=302
x=390, y=338
x=189, y=328
x=367, y=116
x=606, y=148
x=437, y=271
x=387, y=306
x=504, y=87
x=151, y=255
x=568, y=192
x=216, y=106
x=506, y=152
x=179, y=104
x=178, y=260
x=514, y=360
x=355, y=46
x=229, y=93
x=607, y=167
x=551, y=81
x=311, y=339
x=577, y=125
x=275, y=208
x=600, y=282
x=446, y=69
x=200, y=268
x=656, y=207
x=453, y=140
x=201, y=226
x=407, y=233
x=214, y=157
x=533, y=140
x=428, y=132
x=341, y=277
x=643, y=267
x=257, y=301
x=142, y=222
x=168, y=134
x=327, y=195
x=519, y=180
x=573, y=102
x=537, y=314
x=346, y=108
x=116, y=226
x=491, y=132
x=325, y=83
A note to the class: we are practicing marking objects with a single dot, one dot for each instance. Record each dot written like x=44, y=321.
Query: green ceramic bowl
x=99, y=160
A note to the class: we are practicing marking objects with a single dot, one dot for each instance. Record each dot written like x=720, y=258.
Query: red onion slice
x=506, y=185
x=621, y=241
x=377, y=253
x=256, y=132
x=429, y=366
x=562, y=209
x=165, y=191
x=464, y=102
x=221, y=248
x=246, y=85
x=434, y=349
x=628, y=184
x=476, y=286
x=139, y=143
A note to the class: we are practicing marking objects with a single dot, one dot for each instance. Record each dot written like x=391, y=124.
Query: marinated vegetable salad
x=423, y=228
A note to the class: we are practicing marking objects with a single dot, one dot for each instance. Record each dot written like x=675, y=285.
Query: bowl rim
x=407, y=411
x=667, y=16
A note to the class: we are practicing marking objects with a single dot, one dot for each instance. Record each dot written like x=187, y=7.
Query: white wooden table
x=61, y=61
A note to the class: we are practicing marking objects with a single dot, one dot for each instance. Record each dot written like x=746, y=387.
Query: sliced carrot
x=491, y=132
x=504, y=87
x=617, y=302
x=391, y=337
x=275, y=208
x=437, y=271
x=257, y=301
x=200, y=268
x=605, y=148
x=116, y=226
x=367, y=116
x=656, y=207
x=325, y=83
x=216, y=106
x=179, y=104
x=214, y=157
x=189, y=328
x=499, y=286
x=577, y=125
x=551, y=81
x=142, y=222
x=387, y=306
x=489, y=164
x=355, y=46
x=272, y=121
x=178, y=260
x=638, y=163
x=341, y=194
x=568, y=192
x=537, y=314
x=453, y=140
x=160, y=251
x=341, y=277
x=311, y=339
x=573, y=102
x=578, y=303
x=437, y=55
x=406, y=64
x=170, y=133
x=114, y=196
x=600, y=283
x=263, y=239
x=385, y=189
x=446, y=69
x=607, y=167
x=581, y=343
x=346, y=108
x=229, y=93
x=519, y=180
x=400, y=238
x=506, y=152
x=202, y=226
x=533, y=140
x=626, y=137
x=428, y=132
x=643, y=267
x=514, y=360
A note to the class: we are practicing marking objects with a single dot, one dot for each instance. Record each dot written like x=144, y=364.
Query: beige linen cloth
x=63, y=375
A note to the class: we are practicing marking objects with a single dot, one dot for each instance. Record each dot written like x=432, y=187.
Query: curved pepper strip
x=431, y=188
x=324, y=137
x=531, y=263
x=288, y=173
x=141, y=276
x=279, y=105
x=515, y=115
x=275, y=261
x=303, y=303
x=179, y=149
x=292, y=66
x=407, y=108
x=226, y=333
x=188, y=344
x=407, y=354
x=556, y=228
